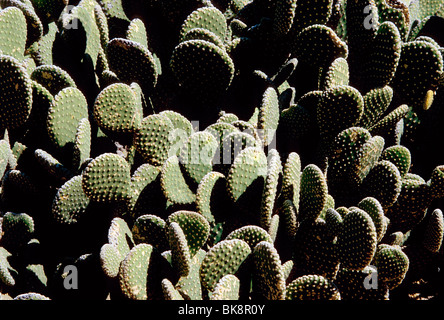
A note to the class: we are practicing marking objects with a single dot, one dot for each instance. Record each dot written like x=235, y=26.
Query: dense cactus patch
x=223, y=149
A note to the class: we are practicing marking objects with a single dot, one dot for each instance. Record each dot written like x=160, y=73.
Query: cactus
x=17, y=229
x=392, y=265
x=209, y=18
x=117, y=109
x=268, y=278
x=184, y=150
x=133, y=272
x=14, y=32
x=357, y=240
x=70, y=202
x=204, y=80
x=173, y=184
x=196, y=155
x=52, y=78
x=341, y=99
x=194, y=226
x=16, y=90
x=223, y=258
x=227, y=288
x=313, y=194
x=143, y=68
x=111, y=187
x=312, y=287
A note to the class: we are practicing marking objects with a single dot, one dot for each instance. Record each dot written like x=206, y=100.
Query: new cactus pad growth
x=221, y=150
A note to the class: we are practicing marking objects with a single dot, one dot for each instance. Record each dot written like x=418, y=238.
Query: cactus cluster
x=221, y=150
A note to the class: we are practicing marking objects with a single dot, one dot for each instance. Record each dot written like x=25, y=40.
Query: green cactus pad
x=13, y=32
x=340, y=102
x=52, y=166
x=337, y=74
x=150, y=229
x=205, y=191
x=392, y=264
x=31, y=296
x=284, y=14
x=82, y=143
x=433, y=236
x=376, y=212
x=230, y=147
x=120, y=236
x=384, y=57
x=314, y=251
x=268, y=277
x=307, y=14
x=133, y=272
x=411, y=205
x=249, y=165
x=419, y=69
x=400, y=156
x=437, y=182
x=132, y=62
x=368, y=156
x=221, y=129
x=34, y=25
x=64, y=115
x=107, y=178
x=41, y=50
x=52, y=78
x=227, y=288
x=334, y=222
x=203, y=34
x=195, y=227
x=357, y=240
x=173, y=183
x=288, y=214
x=268, y=117
x=137, y=32
x=205, y=79
x=312, y=287
x=223, y=258
x=16, y=93
x=390, y=120
x=250, y=234
x=196, y=155
x=313, y=194
x=102, y=25
x=291, y=179
x=318, y=45
x=180, y=251
x=110, y=260
x=144, y=196
x=7, y=273
x=169, y=291
x=179, y=121
x=117, y=109
x=70, y=202
x=154, y=139
x=7, y=158
x=209, y=18
x=376, y=102
x=272, y=183
x=17, y=230
x=383, y=182
x=189, y=286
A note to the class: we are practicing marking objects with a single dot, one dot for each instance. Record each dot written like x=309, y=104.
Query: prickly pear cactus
x=221, y=150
